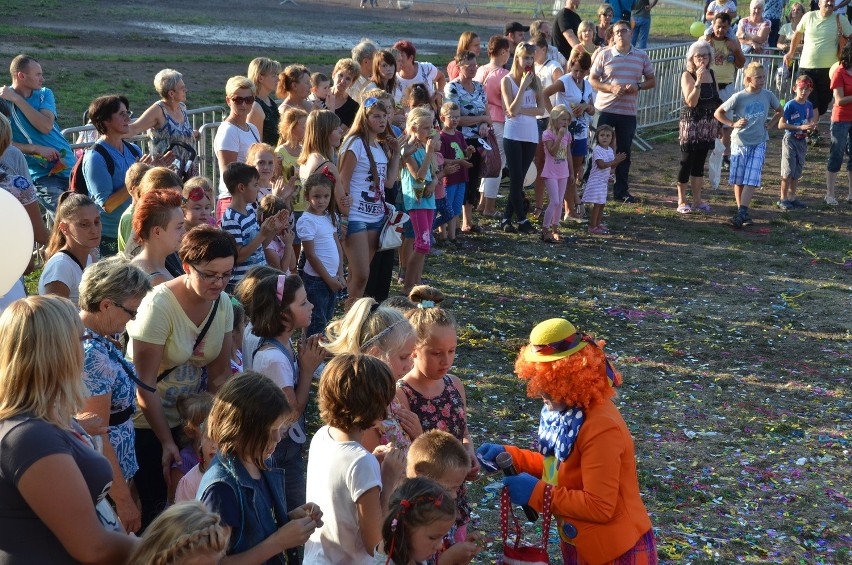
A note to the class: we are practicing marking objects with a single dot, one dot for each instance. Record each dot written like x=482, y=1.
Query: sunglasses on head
x=237, y=100
x=370, y=102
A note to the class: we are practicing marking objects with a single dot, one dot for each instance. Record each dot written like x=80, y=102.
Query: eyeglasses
x=621, y=31
x=237, y=100
x=207, y=277
x=128, y=311
x=125, y=115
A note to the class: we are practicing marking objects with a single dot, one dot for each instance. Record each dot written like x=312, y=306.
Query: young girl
x=343, y=477
x=197, y=203
x=367, y=166
x=76, y=233
x=245, y=293
x=280, y=306
x=603, y=161
x=419, y=516
x=293, y=129
x=261, y=156
x=385, y=333
x=523, y=101
x=319, y=150
x=246, y=423
x=193, y=410
x=317, y=228
x=158, y=226
x=419, y=180
x=183, y=533
x=279, y=251
x=436, y=397
x=384, y=75
x=557, y=169
x=187, y=487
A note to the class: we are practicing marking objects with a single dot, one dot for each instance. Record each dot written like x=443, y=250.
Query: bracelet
x=344, y=221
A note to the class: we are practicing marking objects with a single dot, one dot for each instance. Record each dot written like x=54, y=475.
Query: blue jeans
x=641, y=29
x=625, y=129
x=841, y=136
x=48, y=190
x=324, y=301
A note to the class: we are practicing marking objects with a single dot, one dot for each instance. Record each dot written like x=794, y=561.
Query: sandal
x=684, y=209
x=547, y=238
x=493, y=214
x=475, y=228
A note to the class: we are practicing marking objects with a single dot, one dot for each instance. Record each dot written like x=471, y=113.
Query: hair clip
x=279, y=287
x=426, y=304
x=326, y=172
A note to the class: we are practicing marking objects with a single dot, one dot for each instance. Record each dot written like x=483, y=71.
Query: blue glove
x=487, y=454
x=520, y=487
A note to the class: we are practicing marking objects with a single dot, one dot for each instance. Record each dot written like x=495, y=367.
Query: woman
x=475, y=122
x=523, y=101
x=753, y=30
x=111, y=117
x=785, y=35
x=166, y=120
x=587, y=33
x=76, y=233
x=50, y=476
x=263, y=72
x=345, y=72
x=605, y=14
x=384, y=75
x=841, y=125
x=159, y=228
x=411, y=72
x=367, y=167
x=468, y=41
x=490, y=76
x=235, y=135
x=294, y=87
x=698, y=128
x=110, y=294
x=182, y=332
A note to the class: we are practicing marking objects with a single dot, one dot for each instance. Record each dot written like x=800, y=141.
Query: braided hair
x=183, y=531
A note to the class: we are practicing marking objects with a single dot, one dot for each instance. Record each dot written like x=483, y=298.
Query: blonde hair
x=369, y=325
x=41, y=360
x=133, y=177
x=752, y=68
x=518, y=69
x=69, y=206
x=256, y=149
x=194, y=408
x=262, y=66
x=417, y=116
x=466, y=40
x=5, y=134
x=557, y=112
x=238, y=83
x=318, y=128
x=585, y=25
x=197, y=182
x=349, y=66
x=165, y=81
x=290, y=118
x=158, y=178
x=435, y=453
x=183, y=531
x=428, y=313
x=448, y=107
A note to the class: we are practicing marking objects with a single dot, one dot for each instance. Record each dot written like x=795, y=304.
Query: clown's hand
x=520, y=487
x=487, y=455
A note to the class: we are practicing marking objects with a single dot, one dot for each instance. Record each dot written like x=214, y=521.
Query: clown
x=585, y=451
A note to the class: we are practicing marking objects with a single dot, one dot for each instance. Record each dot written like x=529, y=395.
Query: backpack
x=77, y=183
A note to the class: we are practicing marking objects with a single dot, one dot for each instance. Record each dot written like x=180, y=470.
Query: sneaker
x=830, y=200
x=526, y=227
x=747, y=221
x=737, y=220
x=684, y=209
x=507, y=227
x=785, y=204
x=630, y=199
x=703, y=207
x=599, y=230
x=797, y=203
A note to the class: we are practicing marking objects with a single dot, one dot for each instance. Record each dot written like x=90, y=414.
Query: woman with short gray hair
x=110, y=294
x=753, y=30
x=166, y=120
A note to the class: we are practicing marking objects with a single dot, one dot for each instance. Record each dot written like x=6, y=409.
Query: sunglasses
x=237, y=100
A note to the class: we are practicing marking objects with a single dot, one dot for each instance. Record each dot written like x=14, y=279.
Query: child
x=240, y=221
x=557, y=169
x=436, y=397
x=320, y=86
x=797, y=120
x=187, y=487
x=586, y=458
x=750, y=110
x=261, y=156
x=245, y=293
x=343, y=477
x=438, y=456
x=237, y=337
x=292, y=130
x=456, y=154
x=385, y=333
x=280, y=306
x=418, y=189
x=193, y=410
x=317, y=229
x=604, y=160
x=279, y=251
x=245, y=423
x=183, y=533
x=717, y=7
x=197, y=203
x=419, y=516
x=132, y=178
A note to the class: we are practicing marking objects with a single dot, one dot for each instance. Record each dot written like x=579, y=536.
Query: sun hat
x=554, y=339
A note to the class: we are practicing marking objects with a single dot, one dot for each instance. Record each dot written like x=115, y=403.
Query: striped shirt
x=244, y=228
x=612, y=67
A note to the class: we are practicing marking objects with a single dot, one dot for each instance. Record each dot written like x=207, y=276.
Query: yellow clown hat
x=554, y=339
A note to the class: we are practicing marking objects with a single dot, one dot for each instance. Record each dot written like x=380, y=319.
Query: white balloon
x=532, y=173
x=16, y=233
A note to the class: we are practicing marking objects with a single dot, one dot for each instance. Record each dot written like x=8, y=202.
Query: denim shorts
x=579, y=147
x=357, y=227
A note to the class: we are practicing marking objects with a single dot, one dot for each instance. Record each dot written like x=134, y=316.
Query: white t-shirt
x=320, y=230
x=425, y=73
x=250, y=344
x=522, y=127
x=573, y=95
x=275, y=365
x=231, y=138
x=367, y=204
x=545, y=76
x=338, y=474
x=64, y=269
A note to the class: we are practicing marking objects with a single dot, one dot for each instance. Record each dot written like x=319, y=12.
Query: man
x=565, y=28
x=514, y=32
x=642, y=22
x=363, y=55
x=618, y=74
x=818, y=29
x=36, y=133
x=543, y=27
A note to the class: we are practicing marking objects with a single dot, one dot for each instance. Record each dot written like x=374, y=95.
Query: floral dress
x=444, y=412
x=173, y=132
x=390, y=430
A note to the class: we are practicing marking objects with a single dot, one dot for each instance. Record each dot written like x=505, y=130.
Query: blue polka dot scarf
x=557, y=432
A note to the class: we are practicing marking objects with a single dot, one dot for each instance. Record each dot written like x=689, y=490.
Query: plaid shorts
x=746, y=163
x=643, y=553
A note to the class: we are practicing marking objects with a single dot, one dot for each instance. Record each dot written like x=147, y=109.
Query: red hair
x=579, y=380
x=154, y=210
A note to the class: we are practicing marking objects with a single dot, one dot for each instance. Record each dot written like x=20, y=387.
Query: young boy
x=748, y=110
x=132, y=178
x=456, y=154
x=797, y=120
x=240, y=221
x=439, y=456
x=320, y=85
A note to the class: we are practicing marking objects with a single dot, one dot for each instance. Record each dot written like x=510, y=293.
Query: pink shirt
x=490, y=76
x=555, y=166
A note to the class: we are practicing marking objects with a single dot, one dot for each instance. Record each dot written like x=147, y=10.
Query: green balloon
x=696, y=30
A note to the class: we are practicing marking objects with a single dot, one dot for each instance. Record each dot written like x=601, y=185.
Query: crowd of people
x=180, y=323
